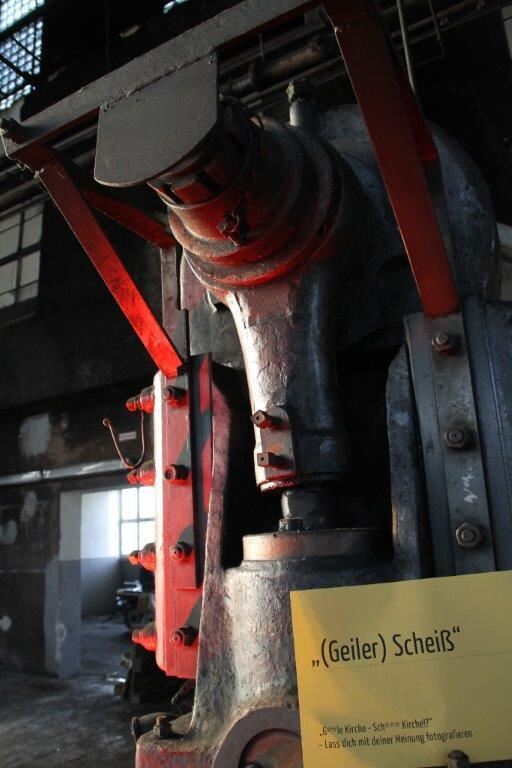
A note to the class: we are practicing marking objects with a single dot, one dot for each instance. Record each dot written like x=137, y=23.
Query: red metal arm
x=88, y=231
x=400, y=138
x=131, y=218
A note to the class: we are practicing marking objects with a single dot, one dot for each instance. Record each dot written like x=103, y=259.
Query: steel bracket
x=454, y=472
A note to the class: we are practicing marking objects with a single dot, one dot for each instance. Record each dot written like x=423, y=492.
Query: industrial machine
x=332, y=404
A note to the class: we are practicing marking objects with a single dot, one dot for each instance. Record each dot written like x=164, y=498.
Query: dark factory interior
x=255, y=286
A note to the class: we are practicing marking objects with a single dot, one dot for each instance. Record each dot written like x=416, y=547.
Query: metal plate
x=333, y=542
x=167, y=58
x=145, y=133
x=455, y=479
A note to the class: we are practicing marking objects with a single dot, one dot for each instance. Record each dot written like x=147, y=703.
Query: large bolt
x=162, y=728
x=180, y=551
x=300, y=89
x=230, y=224
x=269, y=459
x=146, y=636
x=174, y=396
x=444, y=342
x=175, y=473
x=145, y=557
x=457, y=759
x=262, y=420
x=468, y=535
x=144, y=401
x=457, y=437
x=183, y=636
x=144, y=475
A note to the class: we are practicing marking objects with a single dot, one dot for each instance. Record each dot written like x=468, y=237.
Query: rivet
x=444, y=342
x=468, y=535
x=175, y=473
x=269, y=459
x=180, y=551
x=183, y=636
x=262, y=420
x=457, y=437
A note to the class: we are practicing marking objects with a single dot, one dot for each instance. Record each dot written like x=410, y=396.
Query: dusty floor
x=48, y=723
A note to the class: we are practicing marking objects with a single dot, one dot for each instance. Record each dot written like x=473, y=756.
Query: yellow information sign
x=397, y=675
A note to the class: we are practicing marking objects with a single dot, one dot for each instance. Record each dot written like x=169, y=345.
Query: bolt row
x=147, y=637
x=176, y=474
x=146, y=557
x=457, y=437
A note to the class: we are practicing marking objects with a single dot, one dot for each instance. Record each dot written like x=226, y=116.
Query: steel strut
x=74, y=206
x=403, y=146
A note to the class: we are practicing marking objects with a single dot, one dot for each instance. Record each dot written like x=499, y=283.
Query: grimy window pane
x=27, y=292
x=129, y=503
x=129, y=538
x=147, y=502
x=8, y=276
x=146, y=532
x=6, y=299
x=32, y=226
x=29, y=268
x=9, y=235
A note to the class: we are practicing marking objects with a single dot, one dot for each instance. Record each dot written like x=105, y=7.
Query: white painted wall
x=99, y=530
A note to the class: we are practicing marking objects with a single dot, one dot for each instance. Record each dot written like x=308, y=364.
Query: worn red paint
x=400, y=138
x=96, y=244
x=182, y=511
x=131, y=218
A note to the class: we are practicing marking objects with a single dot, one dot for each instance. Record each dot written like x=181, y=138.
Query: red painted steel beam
x=400, y=138
x=131, y=218
x=81, y=219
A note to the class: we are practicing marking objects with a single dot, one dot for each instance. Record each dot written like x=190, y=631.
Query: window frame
x=23, y=53
x=22, y=307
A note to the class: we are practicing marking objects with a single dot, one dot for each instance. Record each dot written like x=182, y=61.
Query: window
x=21, y=49
x=20, y=239
x=137, y=518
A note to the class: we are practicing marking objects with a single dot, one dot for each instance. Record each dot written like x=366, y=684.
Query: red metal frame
x=131, y=218
x=403, y=146
x=182, y=512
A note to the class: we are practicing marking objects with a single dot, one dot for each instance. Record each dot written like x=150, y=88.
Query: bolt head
x=229, y=225
x=457, y=759
x=183, y=636
x=177, y=638
x=173, y=396
x=268, y=459
x=180, y=551
x=262, y=420
x=162, y=728
x=457, y=437
x=468, y=535
x=174, y=473
x=299, y=89
x=133, y=557
x=444, y=342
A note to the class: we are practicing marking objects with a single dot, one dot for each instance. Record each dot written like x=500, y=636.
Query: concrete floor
x=49, y=723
